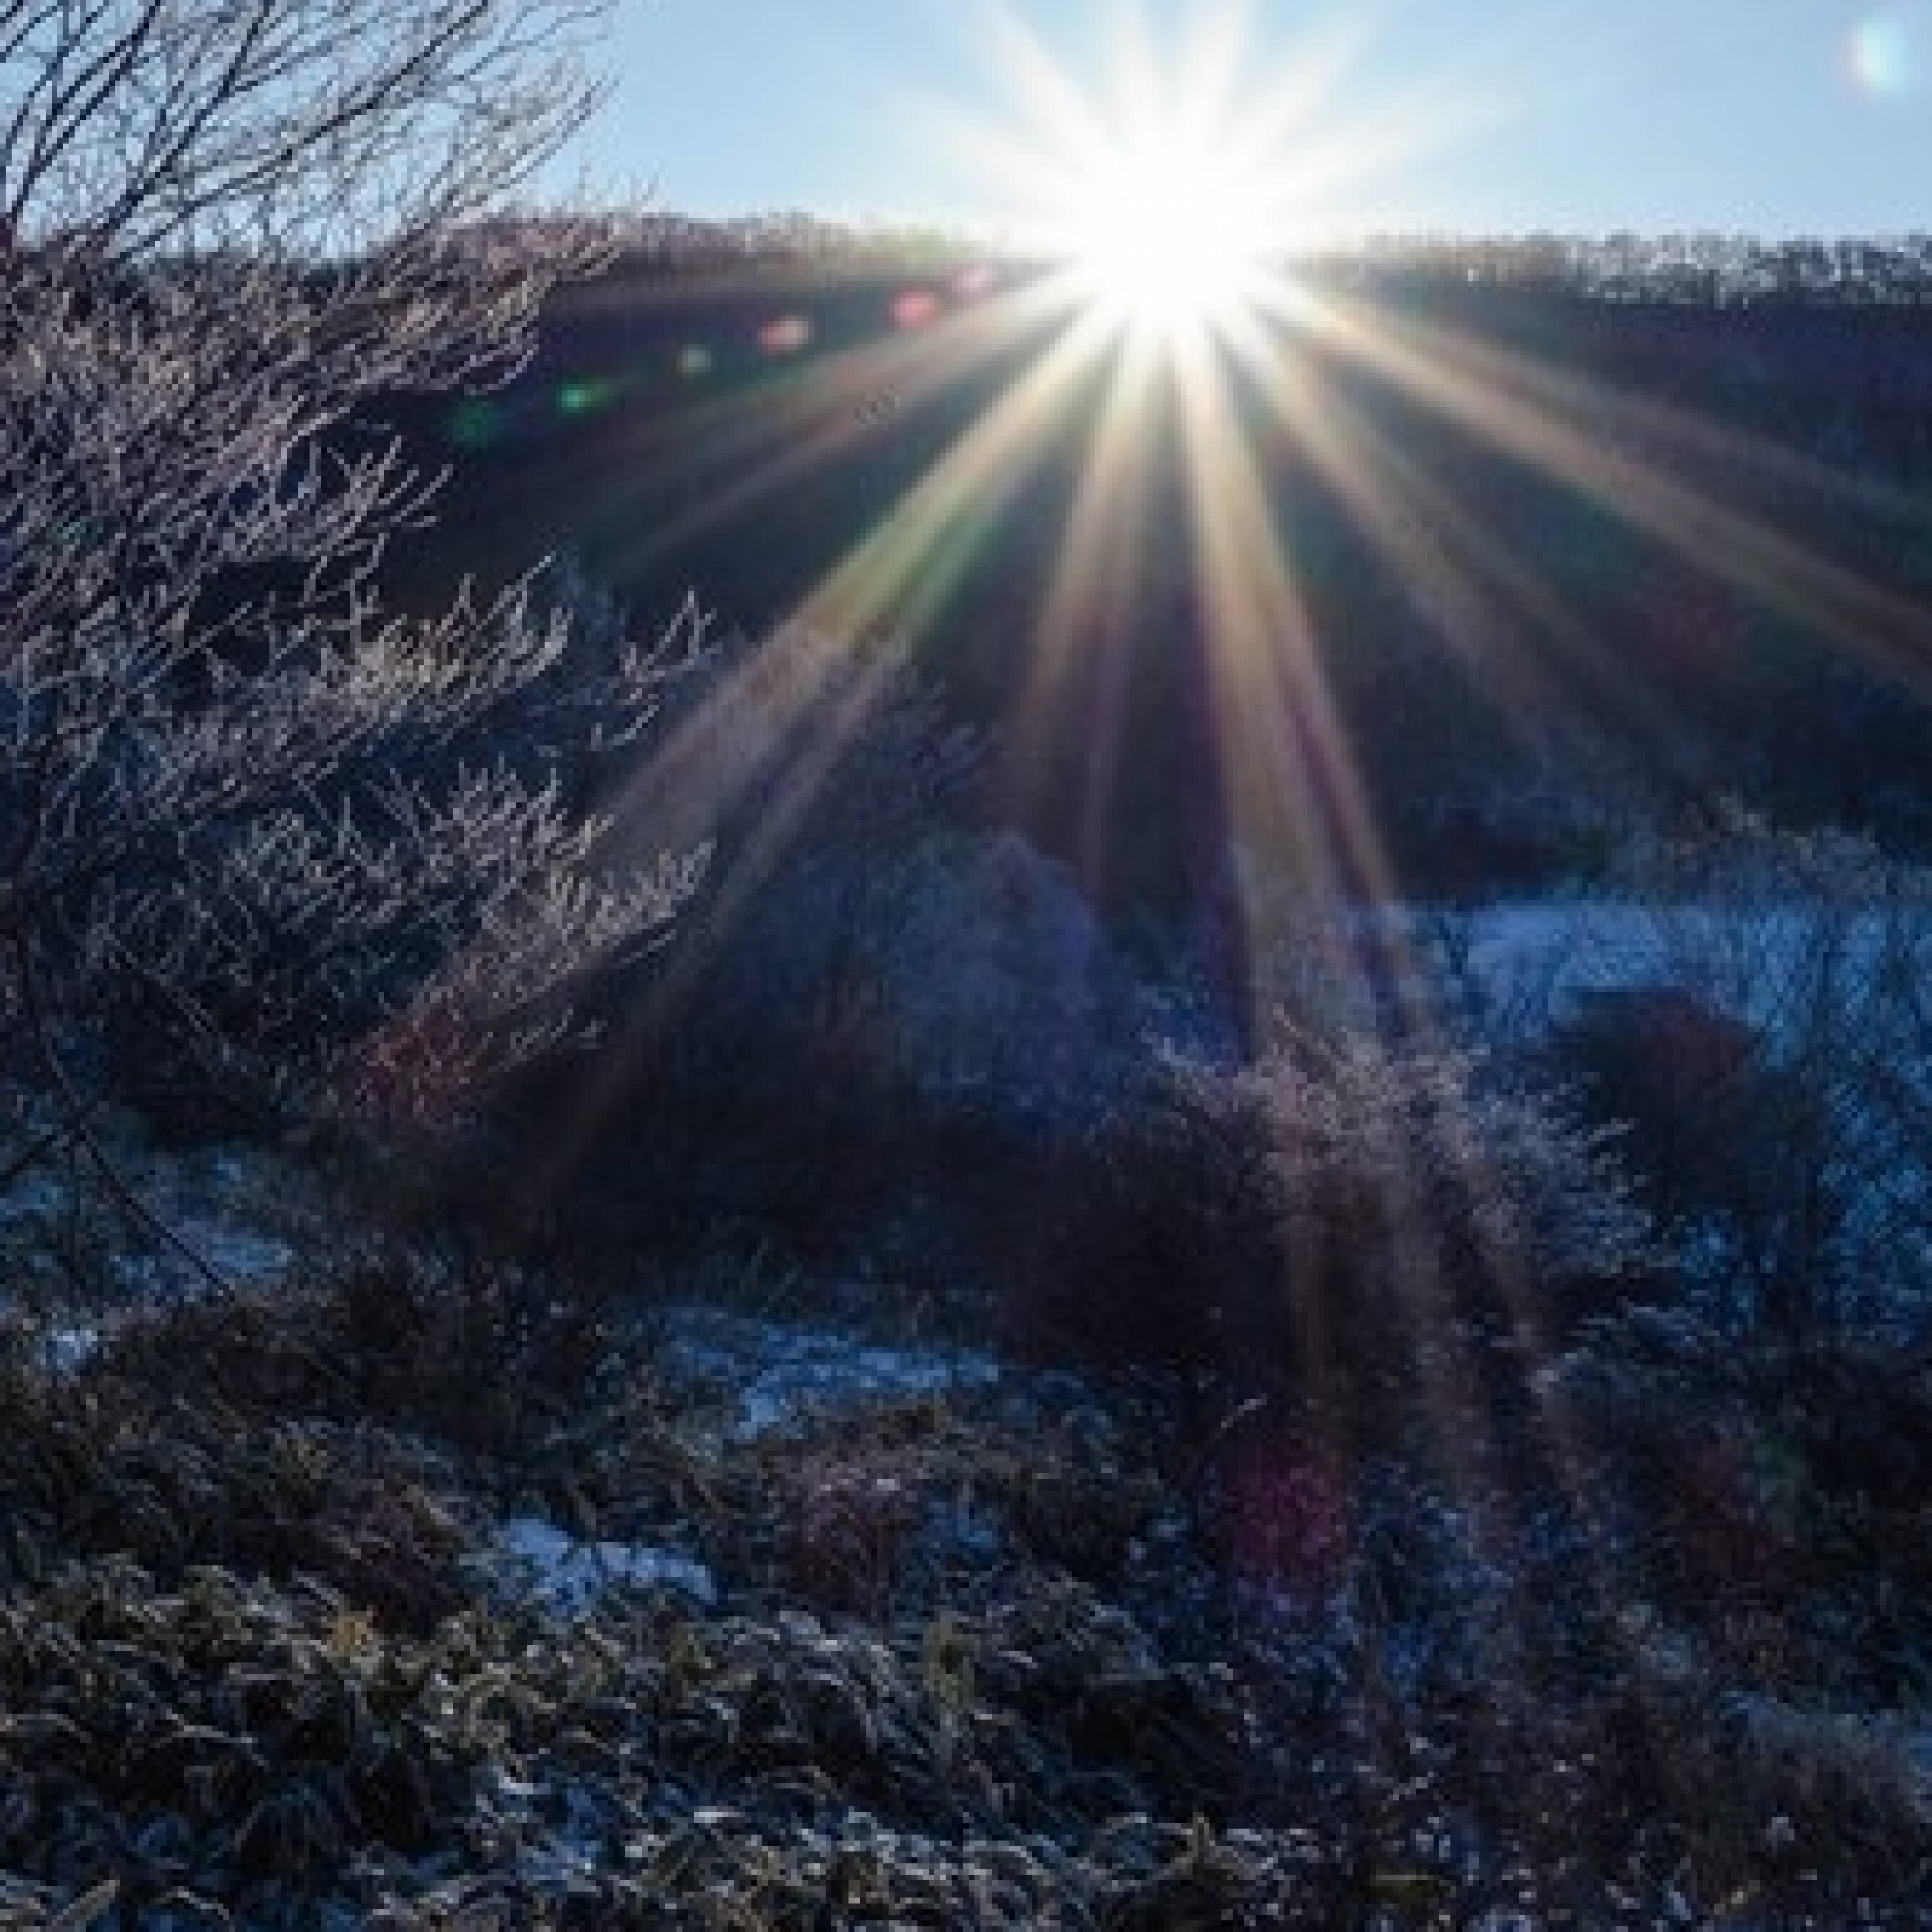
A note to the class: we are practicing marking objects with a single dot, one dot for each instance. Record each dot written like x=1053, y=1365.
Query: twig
x=31, y=1156
x=1224, y=1430
x=75, y=1128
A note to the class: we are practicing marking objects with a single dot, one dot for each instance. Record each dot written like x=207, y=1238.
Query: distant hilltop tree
x=1703, y=269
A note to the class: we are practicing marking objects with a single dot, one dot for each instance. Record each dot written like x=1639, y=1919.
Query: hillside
x=1527, y=626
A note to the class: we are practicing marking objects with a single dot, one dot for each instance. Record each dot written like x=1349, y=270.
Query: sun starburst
x=1171, y=236
x=1171, y=188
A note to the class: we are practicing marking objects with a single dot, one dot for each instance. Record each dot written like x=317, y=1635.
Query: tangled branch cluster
x=239, y=794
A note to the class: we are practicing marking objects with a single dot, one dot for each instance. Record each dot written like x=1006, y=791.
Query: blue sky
x=1775, y=116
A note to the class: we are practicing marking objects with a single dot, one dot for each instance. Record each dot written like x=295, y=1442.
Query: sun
x=1170, y=184
x=1168, y=235
x=1179, y=175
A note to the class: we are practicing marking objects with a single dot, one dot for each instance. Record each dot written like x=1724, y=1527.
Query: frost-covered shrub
x=1666, y=1422
x=1448, y=1160
x=1776, y=1076
x=761, y=1071
x=1685, y=1077
x=1001, y=993
x=1155, y=1224
x=252, y=806
x=1782, y=1442
x=1770, y=1500
x=1339, y=1206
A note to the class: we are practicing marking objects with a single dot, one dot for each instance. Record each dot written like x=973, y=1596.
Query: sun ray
x=1480, y=595
x=903, y=572
x=1293, y=796
x=1090, y=606
x=1296, y=799
x=808, y=694
x=1556, y=426
x=750, y=448
x=1167, y=336
x=1401, y=514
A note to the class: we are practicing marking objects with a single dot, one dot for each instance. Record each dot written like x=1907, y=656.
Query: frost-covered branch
x=240, y=793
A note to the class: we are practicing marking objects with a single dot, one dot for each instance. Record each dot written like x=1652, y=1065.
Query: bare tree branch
x=239, y=793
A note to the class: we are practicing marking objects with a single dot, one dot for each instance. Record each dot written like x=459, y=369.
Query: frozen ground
x=573, y=1574
x=774, y=1375
x=1525, y=964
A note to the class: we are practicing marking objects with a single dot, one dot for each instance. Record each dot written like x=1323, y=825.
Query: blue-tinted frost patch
x=572, y=1575
x=779, y=1374
x=71, y=1349
x=235, y=1209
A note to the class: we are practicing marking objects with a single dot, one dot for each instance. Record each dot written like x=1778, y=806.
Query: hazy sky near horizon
x=1773, y=116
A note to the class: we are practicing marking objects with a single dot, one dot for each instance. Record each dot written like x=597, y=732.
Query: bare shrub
x=1786, y=1122
x=1339, y=1206
x=757, y=1075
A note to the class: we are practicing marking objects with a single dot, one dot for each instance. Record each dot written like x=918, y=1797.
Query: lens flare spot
x=914, y=309
x=475, y=423
x=785, y=335
x=1882, y=57
x=694, y=361
x=585, y=396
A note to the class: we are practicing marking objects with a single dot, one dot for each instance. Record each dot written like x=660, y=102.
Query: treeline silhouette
x=1698, y=267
